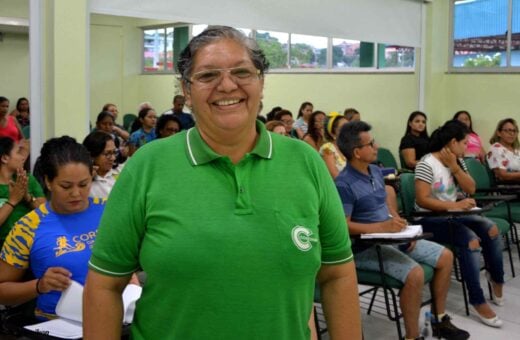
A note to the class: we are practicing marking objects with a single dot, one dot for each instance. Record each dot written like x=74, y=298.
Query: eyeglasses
x=510, y=130
x=239, y=75
x=288, y=121
x=109, y=154
x=371, y=144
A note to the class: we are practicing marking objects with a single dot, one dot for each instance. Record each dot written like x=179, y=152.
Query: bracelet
x=9, y=203
x=37, y=288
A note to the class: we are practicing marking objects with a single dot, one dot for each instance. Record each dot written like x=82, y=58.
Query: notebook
x=409, y=232
x=70, y=312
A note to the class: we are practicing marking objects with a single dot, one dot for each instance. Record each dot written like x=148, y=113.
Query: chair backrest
x=26, y=132
x=478, y=172
x=385, y=157
x=407, y=182
x=128, y=119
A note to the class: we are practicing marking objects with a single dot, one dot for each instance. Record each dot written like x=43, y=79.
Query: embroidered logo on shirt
x=64, y=247
x=301, y=237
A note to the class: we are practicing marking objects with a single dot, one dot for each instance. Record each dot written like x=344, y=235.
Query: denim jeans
x=459, y=231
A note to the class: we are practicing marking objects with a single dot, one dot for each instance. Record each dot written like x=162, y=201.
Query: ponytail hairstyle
x=57, y=152
x=443, y=135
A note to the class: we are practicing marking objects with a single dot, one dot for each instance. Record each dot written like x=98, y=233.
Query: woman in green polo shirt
x=204, y=213
x=19, y=192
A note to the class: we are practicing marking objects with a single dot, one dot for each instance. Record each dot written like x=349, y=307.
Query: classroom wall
x=14, y=54
x=488, y=97
x=385, y=100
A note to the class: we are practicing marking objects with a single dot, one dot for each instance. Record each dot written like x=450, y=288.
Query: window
x=392, y=56
x=481, y=38
x=345, y=53
x=275, y=46
x=308, y=51
x=286, y=52
x=158, y=50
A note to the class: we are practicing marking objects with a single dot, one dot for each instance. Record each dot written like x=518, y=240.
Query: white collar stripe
x=189, y=147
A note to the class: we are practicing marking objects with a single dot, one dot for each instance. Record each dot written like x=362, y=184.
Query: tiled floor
x=378, y=327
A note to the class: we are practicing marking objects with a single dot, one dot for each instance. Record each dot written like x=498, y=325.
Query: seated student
x=352, y=114
x=504, y=154
x=329, y=151
x=143, y=130
x=19, y=191
x=414, y=143
x=362, y=190
x=186, y=119
x=474, y=148
x=286, y=117
x=440, y=180
x=167, y=125
x=103, y=152
x=117, y=129
x=301, y=124
x=276, y=126
x=57, y=236
x=22, y=112
x=315, y=135
x=105, y=122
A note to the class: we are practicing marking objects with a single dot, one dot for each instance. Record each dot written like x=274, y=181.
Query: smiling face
x=227, y=106
x=70, y=188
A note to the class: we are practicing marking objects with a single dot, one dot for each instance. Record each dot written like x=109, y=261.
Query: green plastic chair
x=385, y=157
x=505, y=210
x=377, y=281
x=128, y=119
x=26, y=132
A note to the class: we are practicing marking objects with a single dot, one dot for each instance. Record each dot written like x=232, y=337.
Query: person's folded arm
x=103, y=306
x=409, y=157
x=504, y=175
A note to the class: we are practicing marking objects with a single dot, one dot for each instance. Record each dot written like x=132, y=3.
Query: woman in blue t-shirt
x=53, y=241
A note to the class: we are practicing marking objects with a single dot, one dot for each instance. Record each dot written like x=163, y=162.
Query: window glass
x=275, y=47
x=154, y=49
x=345, y=53
x=480, y=33
x=197, y=29
x=308, y=51
x=396, y=56
x=515, y=37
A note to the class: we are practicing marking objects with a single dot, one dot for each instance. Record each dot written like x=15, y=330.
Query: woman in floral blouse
x=504, y=155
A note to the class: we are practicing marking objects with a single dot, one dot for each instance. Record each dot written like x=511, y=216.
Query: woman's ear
x=47, y=183
x=4, y=159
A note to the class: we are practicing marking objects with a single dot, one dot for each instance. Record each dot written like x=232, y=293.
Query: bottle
x=427, y=320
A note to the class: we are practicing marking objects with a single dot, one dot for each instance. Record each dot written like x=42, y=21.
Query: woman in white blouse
x=504, y=154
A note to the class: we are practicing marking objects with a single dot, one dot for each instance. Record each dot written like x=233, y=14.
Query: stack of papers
x=409, y=232
x=70, y=311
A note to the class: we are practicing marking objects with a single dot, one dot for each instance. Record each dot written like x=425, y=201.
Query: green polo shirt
x=231, y=251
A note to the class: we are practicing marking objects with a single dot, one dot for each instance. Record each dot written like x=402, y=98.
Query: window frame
x=165, y=47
